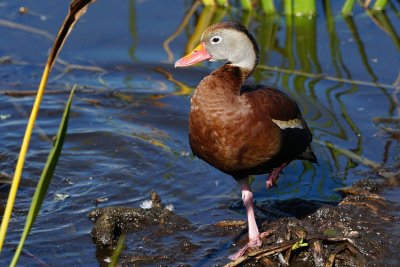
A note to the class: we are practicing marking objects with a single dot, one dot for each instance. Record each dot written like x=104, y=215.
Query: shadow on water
x=128, y=127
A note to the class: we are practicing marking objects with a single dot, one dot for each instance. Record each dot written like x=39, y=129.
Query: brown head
x=226, y=41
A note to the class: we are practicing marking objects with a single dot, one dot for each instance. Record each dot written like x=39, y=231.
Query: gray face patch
x=295, y=123
x=231, y=45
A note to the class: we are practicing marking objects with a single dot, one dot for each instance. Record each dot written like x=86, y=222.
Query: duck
x=242, y=130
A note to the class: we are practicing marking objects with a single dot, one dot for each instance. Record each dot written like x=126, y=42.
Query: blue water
x=128, y=129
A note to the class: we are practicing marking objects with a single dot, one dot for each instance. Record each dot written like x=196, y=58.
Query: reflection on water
x=128, y=127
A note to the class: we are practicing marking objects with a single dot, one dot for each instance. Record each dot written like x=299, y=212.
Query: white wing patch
x=296, y=123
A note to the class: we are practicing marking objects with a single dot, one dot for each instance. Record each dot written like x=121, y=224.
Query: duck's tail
x=309, y=155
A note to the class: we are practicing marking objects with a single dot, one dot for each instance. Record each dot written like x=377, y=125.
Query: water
x=128, y=130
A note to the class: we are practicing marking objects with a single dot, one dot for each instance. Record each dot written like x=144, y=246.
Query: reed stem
x=288, y=4
x=223, y=3
x=348, y=7
x=379, y=5
x=246, y=4
x=268, y=6
x=305, y=7
x=208, y=2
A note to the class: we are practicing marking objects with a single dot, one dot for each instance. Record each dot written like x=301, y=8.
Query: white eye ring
x=216, y=39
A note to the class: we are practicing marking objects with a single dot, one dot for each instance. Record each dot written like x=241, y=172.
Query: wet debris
x=61, y=196
x=151, y=222
x=23, y=10
x=231, y=223
x=100, y=200
x=111, y=222
x=5, y=178
x=5, y=60
x=351, y=233
x=354, y=232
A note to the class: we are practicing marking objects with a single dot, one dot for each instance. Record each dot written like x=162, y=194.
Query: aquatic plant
x=304, y=7
x=77, y=8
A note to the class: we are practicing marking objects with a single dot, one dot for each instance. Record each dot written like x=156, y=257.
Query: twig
x=32, y=93
x=258, y=254
x=70, y=66
x=5, y=178
x=179, y=30
x=396, y=84
x=39, y=262
x=331, y=259
x=271, y=251
x=360, y=159
x=317, y=252
x=55, y=89
x=366, y=3
x=22, y=27
x=359, y=257
x=386, y=120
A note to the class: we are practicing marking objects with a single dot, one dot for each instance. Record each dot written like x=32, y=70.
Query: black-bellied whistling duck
x=238, y=129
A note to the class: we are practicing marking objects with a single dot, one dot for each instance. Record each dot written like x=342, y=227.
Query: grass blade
x=21, y=157
x=117, y=251
x=77, y=9
x=45, y=179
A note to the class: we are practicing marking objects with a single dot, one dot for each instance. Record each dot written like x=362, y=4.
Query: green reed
x=304, y=7
x=347, y=8
x=379, y=5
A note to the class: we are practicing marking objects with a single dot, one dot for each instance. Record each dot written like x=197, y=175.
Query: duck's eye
x=216, y=40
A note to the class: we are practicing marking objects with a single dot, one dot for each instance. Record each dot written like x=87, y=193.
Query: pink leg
x=274, y=175
x=254, y=234
x=247, y=196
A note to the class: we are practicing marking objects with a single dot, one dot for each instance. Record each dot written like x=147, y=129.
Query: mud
x=353, y=232
x=157, y=221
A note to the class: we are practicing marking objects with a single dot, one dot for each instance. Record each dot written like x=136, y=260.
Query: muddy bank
x=153, y=219
x=357, y=231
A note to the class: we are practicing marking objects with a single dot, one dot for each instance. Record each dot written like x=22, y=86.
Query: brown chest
x=229, y=135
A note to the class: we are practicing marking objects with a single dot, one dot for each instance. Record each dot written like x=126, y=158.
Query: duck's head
x=228, y=41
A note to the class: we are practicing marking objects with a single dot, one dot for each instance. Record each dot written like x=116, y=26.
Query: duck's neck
x=230, y=78
x=246, y=61
x=247, y=57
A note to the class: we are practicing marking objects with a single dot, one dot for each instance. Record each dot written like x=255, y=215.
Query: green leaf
x=45, y=178
x=299, y=244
